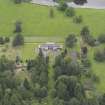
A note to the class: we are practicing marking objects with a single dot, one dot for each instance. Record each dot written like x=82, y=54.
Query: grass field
x=36, y=20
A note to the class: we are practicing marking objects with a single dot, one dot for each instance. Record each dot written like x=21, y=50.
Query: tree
x=7, y=39
x=78, y=19
x=86, y=37
x=85, y=32
x=18, y=27
x=18, y=40
x=6, y=64
x=62, y=6
x=2, y=40
x=102, y=100
x=44, y=92
x=73, y=68
x=101, y=38
x=70, y=40
x=17, y=1
x=58, y=101
x=15, y=100
x=99, y=55
x=80, y=2
x=62, y=90
x=68, y=87
x=70, y=12
x=39, y=92
x=26, y=84
x=51, y=13
x=74, y=101
x=43, y=78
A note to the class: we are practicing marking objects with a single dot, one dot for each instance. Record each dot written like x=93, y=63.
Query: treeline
x=38, y=69
x=16, y=92
x=68, y=88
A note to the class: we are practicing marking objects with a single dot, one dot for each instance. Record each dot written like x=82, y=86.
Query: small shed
x=50, y=46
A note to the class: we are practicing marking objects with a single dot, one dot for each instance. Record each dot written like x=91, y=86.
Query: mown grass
x=36, y=20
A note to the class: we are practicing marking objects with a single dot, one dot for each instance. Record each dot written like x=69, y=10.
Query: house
x=50, y=47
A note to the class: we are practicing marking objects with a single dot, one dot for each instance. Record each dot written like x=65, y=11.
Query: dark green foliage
x=74, y=101
x=90, y=41
x=62, y=6
x=87, y=38
x=2, y=40
x=17, y=1
x=39, y=92
x=26, y=84
x=7, y=39
x=38, y=69
x=101, y=38
x=102, y=100
x=51, y=13
x=85, y=32
x=68, y=87
x=70, y=12
x=71, y=41
x=86, y=63
x=6, y=64
x=84, y=51
x=18, y=27
x=18, y=40
x=20, y=1
x=80, y=2
x=63, y=0
x=99, y=55
x=61, y=67
x=58, y=101
x=95, y=78
x=18, y=59
x=78, y=19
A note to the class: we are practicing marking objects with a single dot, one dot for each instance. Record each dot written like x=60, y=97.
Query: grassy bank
x=36, y=20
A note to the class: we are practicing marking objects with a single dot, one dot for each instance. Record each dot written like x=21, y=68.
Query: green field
x=36, y=20
x=37, y=23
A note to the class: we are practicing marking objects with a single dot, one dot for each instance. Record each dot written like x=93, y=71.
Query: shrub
x=70, y=12
x=2, y=40
x=17, y=1
x=7, y=39
x=80, y=2
x=77, y=19
x=86, y=63
x=62, y=6
x=101, y=38
x=99, y=55
x=95, y=78
x=71, y=40
x=18, y=40
x=51, y=13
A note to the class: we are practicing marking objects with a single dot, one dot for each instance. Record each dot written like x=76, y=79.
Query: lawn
x=36, y=20
x=42, y=28
x=28, y=51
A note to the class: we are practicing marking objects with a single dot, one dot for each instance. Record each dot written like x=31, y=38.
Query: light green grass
x=98, y=69
x=36, y=20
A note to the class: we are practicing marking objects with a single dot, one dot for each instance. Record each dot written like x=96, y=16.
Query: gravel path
x=95, y=4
